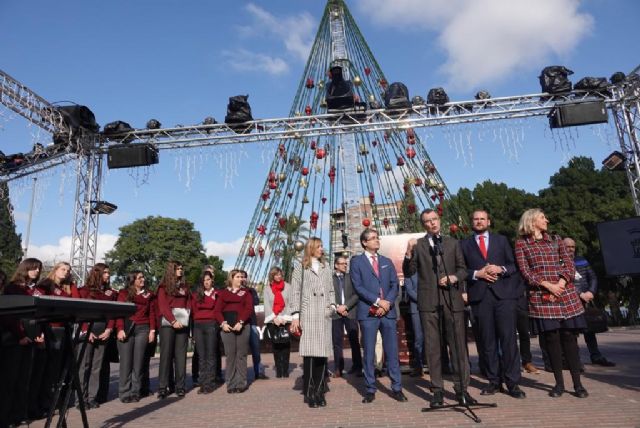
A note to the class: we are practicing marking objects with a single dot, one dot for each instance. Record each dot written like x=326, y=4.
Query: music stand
x=464, y=404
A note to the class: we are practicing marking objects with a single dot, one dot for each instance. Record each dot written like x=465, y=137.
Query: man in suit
x=376, y=283
x=441, y=272
x=411, y=288
x=345, y=319
x=493, y=290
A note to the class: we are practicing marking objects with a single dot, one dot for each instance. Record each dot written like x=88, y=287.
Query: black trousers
x=206, y=337
x=173, y=352
x=132, y=355
x=313, y=377
x=16, y=366
x=281, y=357
x=563, y=342
x=338, y=328
x=522, y=326
x=496, y=320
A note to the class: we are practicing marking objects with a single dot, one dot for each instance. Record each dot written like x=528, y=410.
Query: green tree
x=504, y=204
x=149, y=243
x=578, y=197
x=10, y=241
x=220, y=276
x=409, y=215
x=292, y=230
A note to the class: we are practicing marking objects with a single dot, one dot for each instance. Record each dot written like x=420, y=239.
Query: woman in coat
x=312, y=306
x=554, y=306
x=277, y=298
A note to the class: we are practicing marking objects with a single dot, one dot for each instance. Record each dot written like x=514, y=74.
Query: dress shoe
x=603, y=362
x=321, y=401
x=135, y=398
x=437, y=400
x=556, y=391
x=180, y=393
x=490, y=389
x=354, y=371
x=232, y=391
x=311, y=401
x=530, y=368
x=516, y=392
x=464, y=399
x=369, y=397
x=581, y=392
x=162, y=394
x=416, y=372
x=262, y=376
x=336, y=375
x=399, y=396
x=125, y=400
x=242, y=389
x=91, y=404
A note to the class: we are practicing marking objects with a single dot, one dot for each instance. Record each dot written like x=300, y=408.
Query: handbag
x=181, y=315
x=596, y=319
x=278, y=333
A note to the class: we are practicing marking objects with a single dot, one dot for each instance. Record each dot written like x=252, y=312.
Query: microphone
x=437, y=243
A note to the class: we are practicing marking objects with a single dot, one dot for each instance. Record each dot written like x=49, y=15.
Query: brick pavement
x=614, y=400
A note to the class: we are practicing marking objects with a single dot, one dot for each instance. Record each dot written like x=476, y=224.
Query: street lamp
x=614, y=162
x=103, y=207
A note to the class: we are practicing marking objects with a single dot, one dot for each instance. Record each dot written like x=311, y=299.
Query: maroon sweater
x=145, y=309
x=48, y=287
x=180, y=299
x=203, y=311
x=228, y=301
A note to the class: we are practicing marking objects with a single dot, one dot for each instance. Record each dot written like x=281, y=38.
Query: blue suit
x=369, y=287
x=494, y=308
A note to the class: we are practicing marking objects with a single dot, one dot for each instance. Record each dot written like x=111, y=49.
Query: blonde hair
x=525, y=226
x=52, y=274
x=309, y=248
x=228, y=283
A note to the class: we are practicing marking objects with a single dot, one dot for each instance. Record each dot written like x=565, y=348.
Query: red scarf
x=278, y=300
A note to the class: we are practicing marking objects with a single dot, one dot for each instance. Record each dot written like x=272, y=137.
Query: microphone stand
x=462, y=404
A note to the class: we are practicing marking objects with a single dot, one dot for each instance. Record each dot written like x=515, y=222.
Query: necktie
x=374, y=262
x=341, y=282
x=483, y=247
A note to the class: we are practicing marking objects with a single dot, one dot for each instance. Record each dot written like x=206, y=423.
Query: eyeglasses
x=343, y=263
x=374, y=238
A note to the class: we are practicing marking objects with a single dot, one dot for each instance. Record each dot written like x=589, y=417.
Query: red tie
x=483, y=247
x=374, y=262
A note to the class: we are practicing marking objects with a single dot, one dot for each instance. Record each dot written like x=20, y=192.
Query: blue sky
x=180, y=61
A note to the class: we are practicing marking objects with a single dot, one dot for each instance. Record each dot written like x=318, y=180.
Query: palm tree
x=292, y=229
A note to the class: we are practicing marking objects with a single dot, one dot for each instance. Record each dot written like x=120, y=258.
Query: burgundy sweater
x=180, y=299
x=228, y=301
x=145, y=309
x=203, y=311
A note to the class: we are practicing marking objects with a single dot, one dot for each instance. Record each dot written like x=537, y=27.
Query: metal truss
x=627, y=120
x=85, y=220
x=22, y=100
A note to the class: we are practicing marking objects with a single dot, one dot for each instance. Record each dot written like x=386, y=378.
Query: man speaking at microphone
x=441, y=271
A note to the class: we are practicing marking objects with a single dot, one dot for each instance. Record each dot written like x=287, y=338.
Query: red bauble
x=320, y=153
x=261, y=251
x=251, y=252
x=290, y=194
x=265, y=196
x=332, y=174
x=385, y=222
x=366, y=222
x=312, y=145
x=261, y=229
x=411, y=153
x=282, y=222
x=367, y=71
x=453, y=228
x=417, y=182
x=371, y=196
x=272, y=185
x=305, y=171
x=307, y=110
x=309, y=83
x=400, y=161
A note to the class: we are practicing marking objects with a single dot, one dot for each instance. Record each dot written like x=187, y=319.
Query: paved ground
x=614, y=401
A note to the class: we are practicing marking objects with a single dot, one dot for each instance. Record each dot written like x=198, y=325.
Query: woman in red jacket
x=205, y=331
x=96, y=288
x=134, y=333
x=233, y=312
x=174, y=302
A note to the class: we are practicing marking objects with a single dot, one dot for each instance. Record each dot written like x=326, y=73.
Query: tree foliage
x=10, y=241
x=149, y=243
x=409, y=215
x=290, y=231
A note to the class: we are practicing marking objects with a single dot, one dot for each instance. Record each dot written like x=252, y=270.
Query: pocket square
x=384, y=266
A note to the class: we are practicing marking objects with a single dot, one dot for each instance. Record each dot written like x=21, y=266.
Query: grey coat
x=287, y=295
x=314, y=299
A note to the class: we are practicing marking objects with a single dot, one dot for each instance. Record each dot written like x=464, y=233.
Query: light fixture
x=614, y=162
x=103, y=207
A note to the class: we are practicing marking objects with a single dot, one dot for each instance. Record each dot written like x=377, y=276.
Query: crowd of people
x=321, y=303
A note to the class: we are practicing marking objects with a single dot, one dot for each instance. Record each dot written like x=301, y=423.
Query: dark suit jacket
x=500, y=254
x=367, y=285
x=411, y=288
x=350, y=297
x=423, y=262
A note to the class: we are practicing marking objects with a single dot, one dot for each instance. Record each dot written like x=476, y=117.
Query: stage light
x=103, y=207
x=615, y=161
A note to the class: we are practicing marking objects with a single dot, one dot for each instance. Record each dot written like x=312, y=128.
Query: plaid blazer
x=547, y=259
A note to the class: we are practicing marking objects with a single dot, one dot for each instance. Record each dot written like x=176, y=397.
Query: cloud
x=227, y=251
x=244, y=60
x=50, y=253
x=485, y=41
x=294, y=33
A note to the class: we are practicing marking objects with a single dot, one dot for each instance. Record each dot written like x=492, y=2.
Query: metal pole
x=28, y=234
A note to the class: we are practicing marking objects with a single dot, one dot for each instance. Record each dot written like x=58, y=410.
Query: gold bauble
x=298, y=246
x=357, y=81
